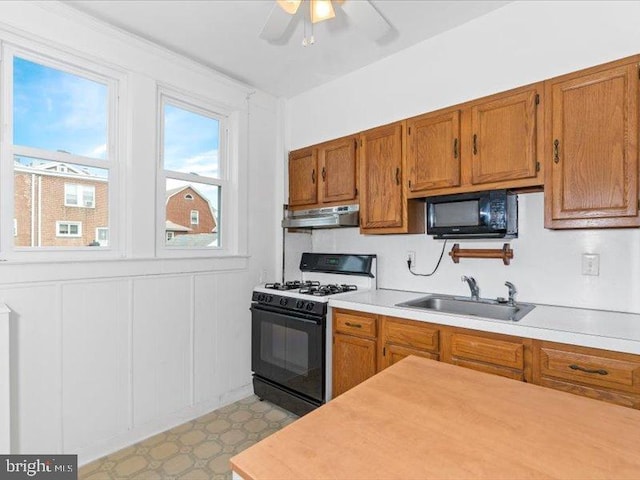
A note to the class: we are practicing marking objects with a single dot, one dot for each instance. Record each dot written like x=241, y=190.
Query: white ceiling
x=224, y=35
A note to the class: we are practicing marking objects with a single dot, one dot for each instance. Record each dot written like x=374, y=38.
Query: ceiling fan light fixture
x=321, y=10
x=290, y=6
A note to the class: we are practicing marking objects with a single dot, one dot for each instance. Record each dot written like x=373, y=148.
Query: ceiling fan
x=362, y=13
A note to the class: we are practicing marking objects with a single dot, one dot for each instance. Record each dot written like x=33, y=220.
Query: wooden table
x=422, y=419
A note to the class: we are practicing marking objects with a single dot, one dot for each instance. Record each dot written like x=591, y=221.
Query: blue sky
x=55, y=110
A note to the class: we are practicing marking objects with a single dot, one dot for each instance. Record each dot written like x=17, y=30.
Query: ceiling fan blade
x=277, y=24
x=367, y=18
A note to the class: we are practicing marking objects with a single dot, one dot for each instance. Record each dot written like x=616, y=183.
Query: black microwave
x=491, y=214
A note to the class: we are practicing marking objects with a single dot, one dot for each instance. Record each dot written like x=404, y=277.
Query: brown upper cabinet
x=592, y=148
x=383, y=203
x=494, y=142
x=337, y=160
x=323, y=174
x=433, y=157
x=505, y=131
x=303, y=175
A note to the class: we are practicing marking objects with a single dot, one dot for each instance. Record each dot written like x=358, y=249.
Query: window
x=61, y=146
x=68, y=229
x=193, y=163
x=79, y=195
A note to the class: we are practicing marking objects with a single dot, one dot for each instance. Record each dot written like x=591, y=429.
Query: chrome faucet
x=473, y=286
x=512, y=293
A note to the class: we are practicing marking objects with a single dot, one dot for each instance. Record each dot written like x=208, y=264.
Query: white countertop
x=578, y=326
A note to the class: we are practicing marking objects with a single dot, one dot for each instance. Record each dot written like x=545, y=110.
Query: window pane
x=180, y=231
x=55, y=110
x=42, y=190
x=191, y=142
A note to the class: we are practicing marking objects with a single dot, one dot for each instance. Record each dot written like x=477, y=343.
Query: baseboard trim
x=154, y=427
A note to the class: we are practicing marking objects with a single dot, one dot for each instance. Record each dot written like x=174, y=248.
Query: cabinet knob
x=313, y=176
x=455, y=148
x=324, y=174
x=398, y=176
x=475, y=144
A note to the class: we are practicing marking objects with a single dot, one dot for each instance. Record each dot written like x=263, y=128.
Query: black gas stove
x=289, y=328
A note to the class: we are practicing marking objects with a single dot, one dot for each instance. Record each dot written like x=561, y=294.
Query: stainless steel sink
x=465, y=306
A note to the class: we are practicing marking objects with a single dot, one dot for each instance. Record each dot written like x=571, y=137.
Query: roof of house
x=194, y=240
x=175, y=227
x=172, y=191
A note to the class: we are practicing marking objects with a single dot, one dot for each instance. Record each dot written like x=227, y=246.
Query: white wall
x=521, y=43
x=105, y=353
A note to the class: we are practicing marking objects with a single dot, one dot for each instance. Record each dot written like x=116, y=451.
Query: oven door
x=288, y=349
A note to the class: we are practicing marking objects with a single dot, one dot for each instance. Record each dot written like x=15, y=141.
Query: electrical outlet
x=411, y=256
x=590, y=264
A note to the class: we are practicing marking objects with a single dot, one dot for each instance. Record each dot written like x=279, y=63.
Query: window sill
x=23, y=271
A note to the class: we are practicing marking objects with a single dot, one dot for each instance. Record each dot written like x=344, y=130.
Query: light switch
x=590, y=264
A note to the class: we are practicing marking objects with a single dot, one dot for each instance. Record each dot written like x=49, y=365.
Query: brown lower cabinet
x=601, y=374
x=354, y=349
x=364, y=344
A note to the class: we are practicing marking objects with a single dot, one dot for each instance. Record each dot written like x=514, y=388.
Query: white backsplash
x=547, y=264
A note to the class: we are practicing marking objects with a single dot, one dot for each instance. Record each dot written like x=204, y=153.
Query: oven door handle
x=289, y=314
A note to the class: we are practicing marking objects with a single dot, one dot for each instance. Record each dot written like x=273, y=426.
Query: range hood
x=329, y=217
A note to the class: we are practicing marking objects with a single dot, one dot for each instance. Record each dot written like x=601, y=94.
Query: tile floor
x=197, y=450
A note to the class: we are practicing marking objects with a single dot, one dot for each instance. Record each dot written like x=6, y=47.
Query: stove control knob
x=269, y=298
x=283, y=301
x=309, y=306
x=300, y=304
x=261, y=297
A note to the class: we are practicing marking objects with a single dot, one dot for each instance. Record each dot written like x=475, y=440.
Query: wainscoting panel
x=207, y=364
x=162, y=346
x=95, y=362
x=36, y=356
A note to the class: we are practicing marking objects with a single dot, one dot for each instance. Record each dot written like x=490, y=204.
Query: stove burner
x=324, y=290
x=294, y=285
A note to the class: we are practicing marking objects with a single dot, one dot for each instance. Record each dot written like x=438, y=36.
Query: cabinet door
x=488, y=352
x=593, y=149
x=338, y=170
x=381, y=177
x=504, y=138
x=433, y=157
x=394, y=353
x=601, y=374
x=303, y=172
x=354, y=360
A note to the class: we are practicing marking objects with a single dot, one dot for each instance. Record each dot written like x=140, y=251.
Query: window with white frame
x=68, y=229
x=79, y=195
x=62, y=118
x=193, y=169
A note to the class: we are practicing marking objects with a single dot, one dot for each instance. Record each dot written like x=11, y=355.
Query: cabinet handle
x=398, y=176
x=556, y=150
x=475, y=144
x=354, y=325
x=324, y=174
x=455, y=148
x=313, y=176
x=587, y=370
